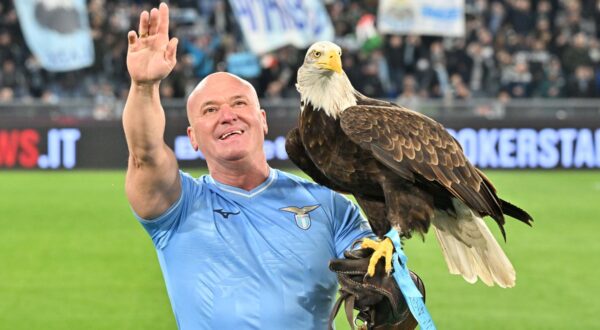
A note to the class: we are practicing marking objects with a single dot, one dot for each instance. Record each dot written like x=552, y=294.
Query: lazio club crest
x=301, y=214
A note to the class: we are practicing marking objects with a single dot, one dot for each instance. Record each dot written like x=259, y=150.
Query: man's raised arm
x=152, y=182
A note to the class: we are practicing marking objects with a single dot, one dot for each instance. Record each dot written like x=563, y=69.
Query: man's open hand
x=151, y=55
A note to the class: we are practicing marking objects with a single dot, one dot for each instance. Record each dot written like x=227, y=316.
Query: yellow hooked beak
x=331, y=60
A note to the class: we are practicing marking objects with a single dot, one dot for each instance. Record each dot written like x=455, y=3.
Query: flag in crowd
x=57, y=32
x=422, y=17
x=268, y=25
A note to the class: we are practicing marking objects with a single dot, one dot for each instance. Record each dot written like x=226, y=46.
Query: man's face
x=226, y=122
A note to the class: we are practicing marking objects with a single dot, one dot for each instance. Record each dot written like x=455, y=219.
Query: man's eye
x=240, y=103
x=210, y=110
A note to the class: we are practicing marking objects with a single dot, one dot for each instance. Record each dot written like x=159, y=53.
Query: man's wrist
x=145, y=87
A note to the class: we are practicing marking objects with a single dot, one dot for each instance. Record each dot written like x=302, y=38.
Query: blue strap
x=412, y=295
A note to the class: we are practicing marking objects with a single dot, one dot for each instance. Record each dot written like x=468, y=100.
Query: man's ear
x=264, y=121
x=190, y=134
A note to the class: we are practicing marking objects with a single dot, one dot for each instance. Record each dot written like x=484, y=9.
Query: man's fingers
x=131, y=37
x=349, y=265
x=358, y=253
x=144, y=21
x=171, y=53
x=154, y=20
x=163, y=22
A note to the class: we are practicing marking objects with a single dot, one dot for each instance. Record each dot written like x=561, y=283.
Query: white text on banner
x=270, y=24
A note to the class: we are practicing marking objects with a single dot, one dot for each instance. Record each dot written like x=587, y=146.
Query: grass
x=73, y=257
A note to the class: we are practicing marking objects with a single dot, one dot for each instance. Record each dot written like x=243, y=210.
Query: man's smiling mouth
x=228, y=134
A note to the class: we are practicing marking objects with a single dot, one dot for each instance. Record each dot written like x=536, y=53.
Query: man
x=246, y=246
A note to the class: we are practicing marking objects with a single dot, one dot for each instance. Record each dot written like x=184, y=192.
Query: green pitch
x=73, y=257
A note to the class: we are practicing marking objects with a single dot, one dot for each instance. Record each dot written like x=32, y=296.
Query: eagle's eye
x=317, y=53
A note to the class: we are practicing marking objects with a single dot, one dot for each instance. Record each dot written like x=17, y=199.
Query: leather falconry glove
x=380, y=304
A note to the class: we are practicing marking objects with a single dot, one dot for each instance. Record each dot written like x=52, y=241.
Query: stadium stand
x=513, y=49
x=518, y=91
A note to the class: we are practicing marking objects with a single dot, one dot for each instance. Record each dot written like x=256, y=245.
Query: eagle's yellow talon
x=383, y=249
x=388, y=265
x=369, y=243
x=371, y=269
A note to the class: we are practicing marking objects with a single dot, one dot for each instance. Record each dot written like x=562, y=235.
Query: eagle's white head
x=322, y=82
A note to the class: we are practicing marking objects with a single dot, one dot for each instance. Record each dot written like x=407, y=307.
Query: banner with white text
x=497, y=144
x=268, y=25
x=422, y=17
x=57, y=32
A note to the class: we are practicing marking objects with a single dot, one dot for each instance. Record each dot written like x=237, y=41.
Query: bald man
x=246, y=246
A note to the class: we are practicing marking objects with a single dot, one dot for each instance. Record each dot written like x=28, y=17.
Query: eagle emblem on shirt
x=301, y=214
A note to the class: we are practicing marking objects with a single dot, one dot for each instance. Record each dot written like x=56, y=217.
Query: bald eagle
x=404, y=169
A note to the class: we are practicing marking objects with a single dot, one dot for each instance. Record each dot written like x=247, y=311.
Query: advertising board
x=498, y=144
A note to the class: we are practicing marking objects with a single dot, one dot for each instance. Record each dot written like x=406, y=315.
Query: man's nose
x=227, y=114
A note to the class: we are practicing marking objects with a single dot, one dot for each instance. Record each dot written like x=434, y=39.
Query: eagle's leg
x=383, y=249
x=376, y=210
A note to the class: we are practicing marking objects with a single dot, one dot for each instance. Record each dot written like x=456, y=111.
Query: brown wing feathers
x=297, y=154
x=413, y=143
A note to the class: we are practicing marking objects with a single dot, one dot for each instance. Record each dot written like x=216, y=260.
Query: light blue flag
x=57, y=32
x=268, y=25
x=422, y=17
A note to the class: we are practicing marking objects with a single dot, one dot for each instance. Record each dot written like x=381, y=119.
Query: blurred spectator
x=351, y=66
x=369, y=83
x=175, y=84
x=457, y=59
x=553, y=83
x=570, y=19
x=520, y=16
x=496, y=17
x=35, y=76
x=201, y=49
x=8, y=48
x=437, y=58
x=383, y=73
x=409, y=97
x=221, y=17
x=412, y=52
x=275, y=75
x=12, y=80
x=583, y=83
x=544, y=10
x=517, y=79
x=6, y=94
x=393, y=55
x=104, y=100
x=577, y=54
x=483, y=74
x=459, y=89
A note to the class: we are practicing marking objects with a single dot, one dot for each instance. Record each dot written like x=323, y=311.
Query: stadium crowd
x=512, y=49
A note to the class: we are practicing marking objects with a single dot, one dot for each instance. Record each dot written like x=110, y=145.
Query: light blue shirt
x=236, y=259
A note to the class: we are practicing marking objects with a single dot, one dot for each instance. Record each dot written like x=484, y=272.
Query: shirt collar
x=244, y=193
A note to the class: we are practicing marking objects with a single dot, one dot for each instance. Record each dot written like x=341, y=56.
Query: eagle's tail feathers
x=516, y=212
x=471, y=250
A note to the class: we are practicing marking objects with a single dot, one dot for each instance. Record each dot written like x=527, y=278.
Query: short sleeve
x=162, y=227
x=349, y=224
